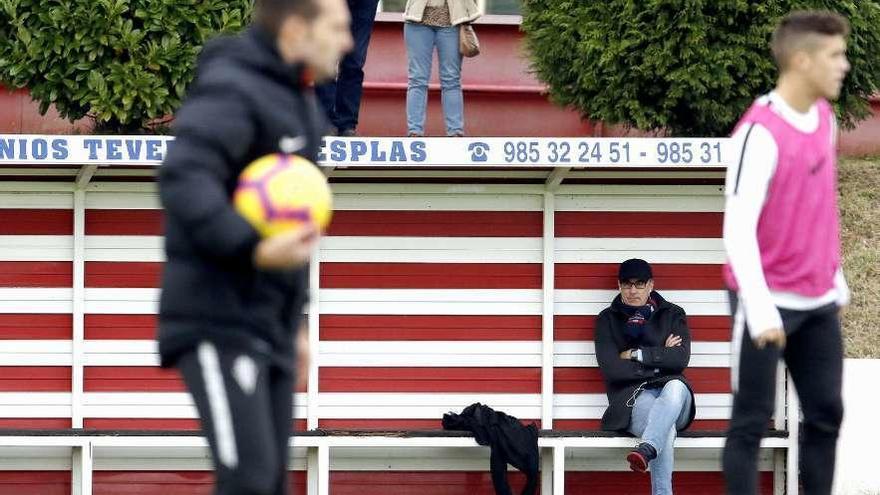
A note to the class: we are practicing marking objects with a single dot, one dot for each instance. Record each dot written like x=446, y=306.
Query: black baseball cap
x=635, y=269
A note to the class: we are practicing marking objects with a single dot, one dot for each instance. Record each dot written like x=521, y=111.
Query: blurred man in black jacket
x=232, y=302
x=643, y=346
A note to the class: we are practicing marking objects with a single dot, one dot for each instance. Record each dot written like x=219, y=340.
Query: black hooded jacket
x=659, y=365
x=245, y=103
x=509, y=440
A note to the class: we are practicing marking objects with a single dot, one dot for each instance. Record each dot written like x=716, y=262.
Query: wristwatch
x=635, y=355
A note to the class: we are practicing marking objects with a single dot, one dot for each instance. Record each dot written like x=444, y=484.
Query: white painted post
x=558, y=470
x=547, y=454
x=547, y=314
x=78, y=315
x=324, y=470
x=312, y=471
x=314, y=339
x=81, y=472
x=794, y=414
x=779, y=423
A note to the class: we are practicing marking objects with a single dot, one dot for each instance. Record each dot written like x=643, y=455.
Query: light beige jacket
x=460, y=11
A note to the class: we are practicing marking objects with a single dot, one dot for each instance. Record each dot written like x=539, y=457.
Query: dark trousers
x=245, y=405
x=814, y=356
x=341, y=98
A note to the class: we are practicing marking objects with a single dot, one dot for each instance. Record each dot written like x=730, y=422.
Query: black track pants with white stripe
x=245, y=405
x=814, y=356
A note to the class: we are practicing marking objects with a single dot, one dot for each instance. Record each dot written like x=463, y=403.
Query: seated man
x=643, y=345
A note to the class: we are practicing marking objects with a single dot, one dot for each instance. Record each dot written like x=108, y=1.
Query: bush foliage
x=686, y=67
x=122, y=62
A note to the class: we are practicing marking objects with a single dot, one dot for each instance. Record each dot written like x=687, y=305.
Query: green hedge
x=122, y=62
x=686, y=67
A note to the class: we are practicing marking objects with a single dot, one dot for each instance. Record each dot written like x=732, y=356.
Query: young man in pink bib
x=781, y=233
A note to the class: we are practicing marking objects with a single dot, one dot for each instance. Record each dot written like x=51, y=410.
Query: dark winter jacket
x=510, y=443
x=660, y=364
x=245, y=103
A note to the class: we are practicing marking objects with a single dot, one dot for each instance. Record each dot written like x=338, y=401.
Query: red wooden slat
x=156, y=424
x=667, y=276
x=589, y=380
x=135, y=379
x=36, y=273
x=638, y=224
x=123, y=274
x=35, y=482
x=142, y=424
x=34, y=423
x=123, y=222
x=437, y=223
x=624, y=482
x=430, y=327
x=35, y=379
x=431, y=275
x=36, y=326
x=392, y=424
x=420, y=482
x=594, y=424
x=582, y=327
x=353, y=223
x=171, y=482
x=495, y=380
x=120, y=327
x=31, y=221
x=480, y=482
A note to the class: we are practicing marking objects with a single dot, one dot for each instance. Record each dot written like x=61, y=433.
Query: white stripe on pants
x=221, y=415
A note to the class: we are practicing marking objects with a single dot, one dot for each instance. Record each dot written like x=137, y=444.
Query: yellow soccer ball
x=279, y=193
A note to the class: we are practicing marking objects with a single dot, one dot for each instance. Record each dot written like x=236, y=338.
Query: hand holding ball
x=288, y=201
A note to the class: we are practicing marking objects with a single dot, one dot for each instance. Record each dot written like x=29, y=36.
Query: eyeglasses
x=638, y=284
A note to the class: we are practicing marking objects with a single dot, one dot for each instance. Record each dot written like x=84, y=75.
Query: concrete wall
x=857, y=450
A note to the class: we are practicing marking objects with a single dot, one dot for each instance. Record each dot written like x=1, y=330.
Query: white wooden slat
x=378, y=249
x=124, y=248
x=35, y=404
x=35, y=353
x=99, y=198
x=456, y=200
x=652, y=250
x=410, y=353
x=592, y=406
x=154, y=411
x=153, y=405
x=34, y=398
x=641, y=202
x=36, y=247
x=24, y=300
x=341, y=249
x=61, y=200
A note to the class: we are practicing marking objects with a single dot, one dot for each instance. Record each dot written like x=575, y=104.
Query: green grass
x=859, y=182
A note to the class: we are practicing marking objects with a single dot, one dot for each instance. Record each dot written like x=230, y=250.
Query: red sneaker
x=640, y=456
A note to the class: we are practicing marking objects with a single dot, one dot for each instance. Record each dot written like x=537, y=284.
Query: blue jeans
x=420, y=43
x=341, y=98
x=656, y=417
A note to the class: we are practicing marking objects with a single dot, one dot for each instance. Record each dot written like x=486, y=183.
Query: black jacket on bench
x=510, y=441
x=245, y=103
x=660, y=364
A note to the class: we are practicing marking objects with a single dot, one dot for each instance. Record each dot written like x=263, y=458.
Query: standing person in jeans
x=341, y=97
x=643, y=345
x=782, y=237
x=231, y=310
x=429, y=24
